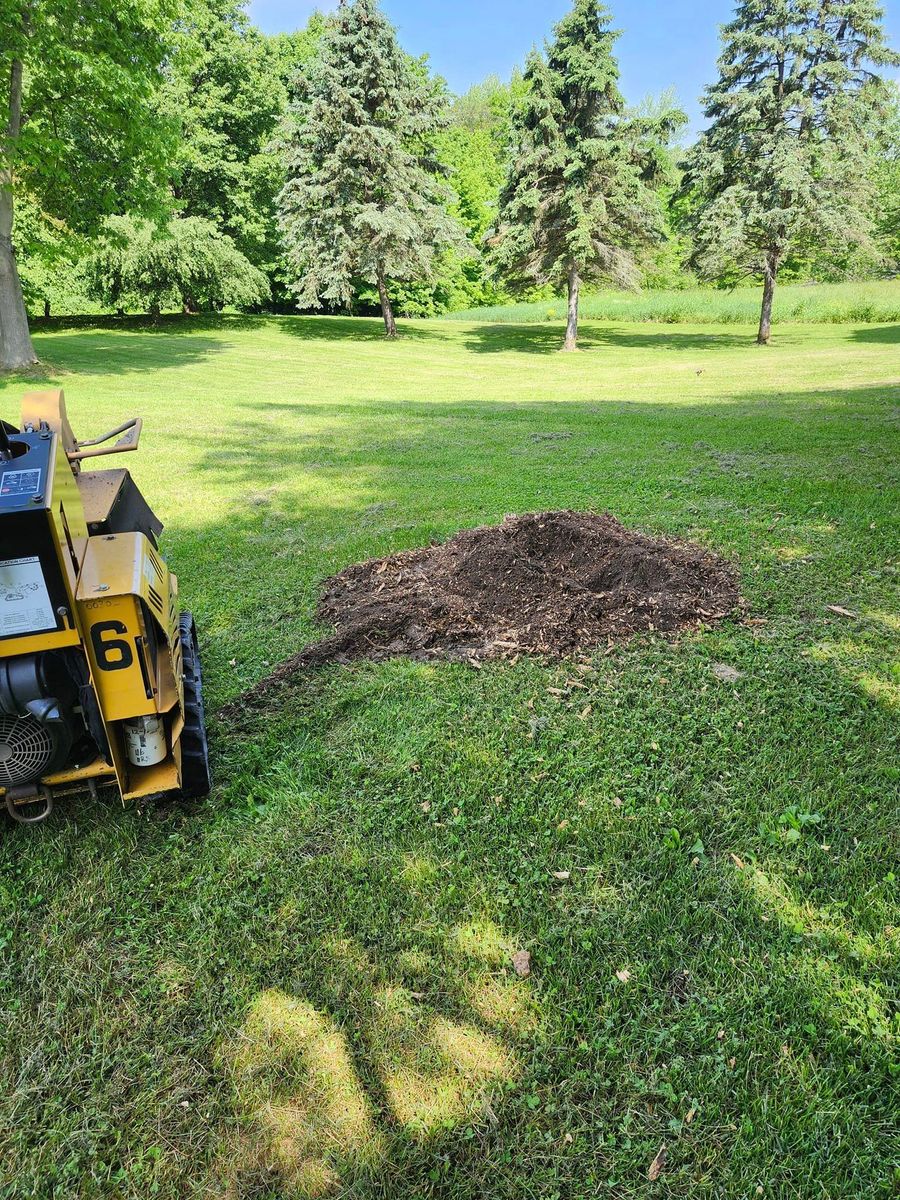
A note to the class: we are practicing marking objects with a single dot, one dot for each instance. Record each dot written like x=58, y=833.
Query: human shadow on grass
x=544, y=339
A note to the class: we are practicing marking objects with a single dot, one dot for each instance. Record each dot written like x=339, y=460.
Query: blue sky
x=664, y=43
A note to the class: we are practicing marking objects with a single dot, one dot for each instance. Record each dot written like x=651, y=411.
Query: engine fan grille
x=26, y=749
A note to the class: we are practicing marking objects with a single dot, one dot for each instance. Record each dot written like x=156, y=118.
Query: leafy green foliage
x=49, y=256
x=662, y=265
x=82, y=133
x=93, y=137
x=364, y=198
x=188, y=264
x=228, y=89
x=887, y=178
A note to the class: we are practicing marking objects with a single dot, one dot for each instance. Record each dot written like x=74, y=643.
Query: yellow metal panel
x=112, y=565
x=119, y=569
x=38, y=641
x=98, y=769
x=98, y=491
x=149, y=781
x=112, y=628
x=49, y=406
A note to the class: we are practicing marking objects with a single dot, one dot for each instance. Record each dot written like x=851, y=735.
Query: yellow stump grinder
x=99, y=669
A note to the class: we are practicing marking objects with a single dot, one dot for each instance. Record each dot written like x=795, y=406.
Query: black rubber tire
x=196, y=779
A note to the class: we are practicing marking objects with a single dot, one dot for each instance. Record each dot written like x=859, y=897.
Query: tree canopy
x=364, y=198
x=343, y=169
x=84, y=134
x=188, y=264
x=227, y=90
x=783, y=164
x=578, y=204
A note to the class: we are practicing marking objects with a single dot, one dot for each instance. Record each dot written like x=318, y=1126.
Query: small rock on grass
x=726, y=673
x=521, y=962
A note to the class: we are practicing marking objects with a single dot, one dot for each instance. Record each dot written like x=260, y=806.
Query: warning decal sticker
x=24, y=600
x=20, y=483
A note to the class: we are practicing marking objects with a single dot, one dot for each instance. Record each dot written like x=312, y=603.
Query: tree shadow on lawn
x=318, y=959
x=306, y=981
x=352, y=329
x=126, y=354
x=305, y=326
x=887, y=334
x=336, y=485
x=593, y=335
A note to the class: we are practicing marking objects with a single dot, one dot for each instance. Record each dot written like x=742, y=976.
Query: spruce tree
x=364, y=199
x=578, y=202
x=782, y=167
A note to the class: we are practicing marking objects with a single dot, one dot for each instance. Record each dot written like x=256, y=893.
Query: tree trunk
x=765, y=317
x=46, y=310
x=16, y=350
x=390, y=325
x=571, y=342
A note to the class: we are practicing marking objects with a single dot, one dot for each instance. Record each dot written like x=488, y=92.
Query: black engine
x=38, y=721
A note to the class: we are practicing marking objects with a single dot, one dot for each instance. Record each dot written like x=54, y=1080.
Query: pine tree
x=364, y=200
x=578, y=202
x=782, y=166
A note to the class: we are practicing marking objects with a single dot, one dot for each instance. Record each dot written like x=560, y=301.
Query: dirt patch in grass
x=546, y=583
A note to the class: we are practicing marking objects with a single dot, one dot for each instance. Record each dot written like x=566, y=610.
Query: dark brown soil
x=546, y=583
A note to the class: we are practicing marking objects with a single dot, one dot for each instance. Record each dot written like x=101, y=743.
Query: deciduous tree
x=80, y=128
x=189, y=264
x=227, y=91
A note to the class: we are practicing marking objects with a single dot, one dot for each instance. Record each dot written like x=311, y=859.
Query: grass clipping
x=546, y=583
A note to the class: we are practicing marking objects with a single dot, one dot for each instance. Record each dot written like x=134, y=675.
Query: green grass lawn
x=820, y=303
x=303, y=986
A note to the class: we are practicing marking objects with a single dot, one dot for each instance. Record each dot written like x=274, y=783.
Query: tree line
x=166, y=153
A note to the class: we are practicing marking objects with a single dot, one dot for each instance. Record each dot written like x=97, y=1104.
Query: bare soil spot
x=546, y=583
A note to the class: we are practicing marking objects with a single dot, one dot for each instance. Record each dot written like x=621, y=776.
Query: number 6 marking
x=104, y=647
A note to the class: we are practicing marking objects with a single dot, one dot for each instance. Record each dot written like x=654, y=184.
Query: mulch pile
x=545, y=583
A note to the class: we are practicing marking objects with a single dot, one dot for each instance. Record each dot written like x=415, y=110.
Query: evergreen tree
x=364, y=199
x=886, y=175
x=578, y=204
x=783, y=165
